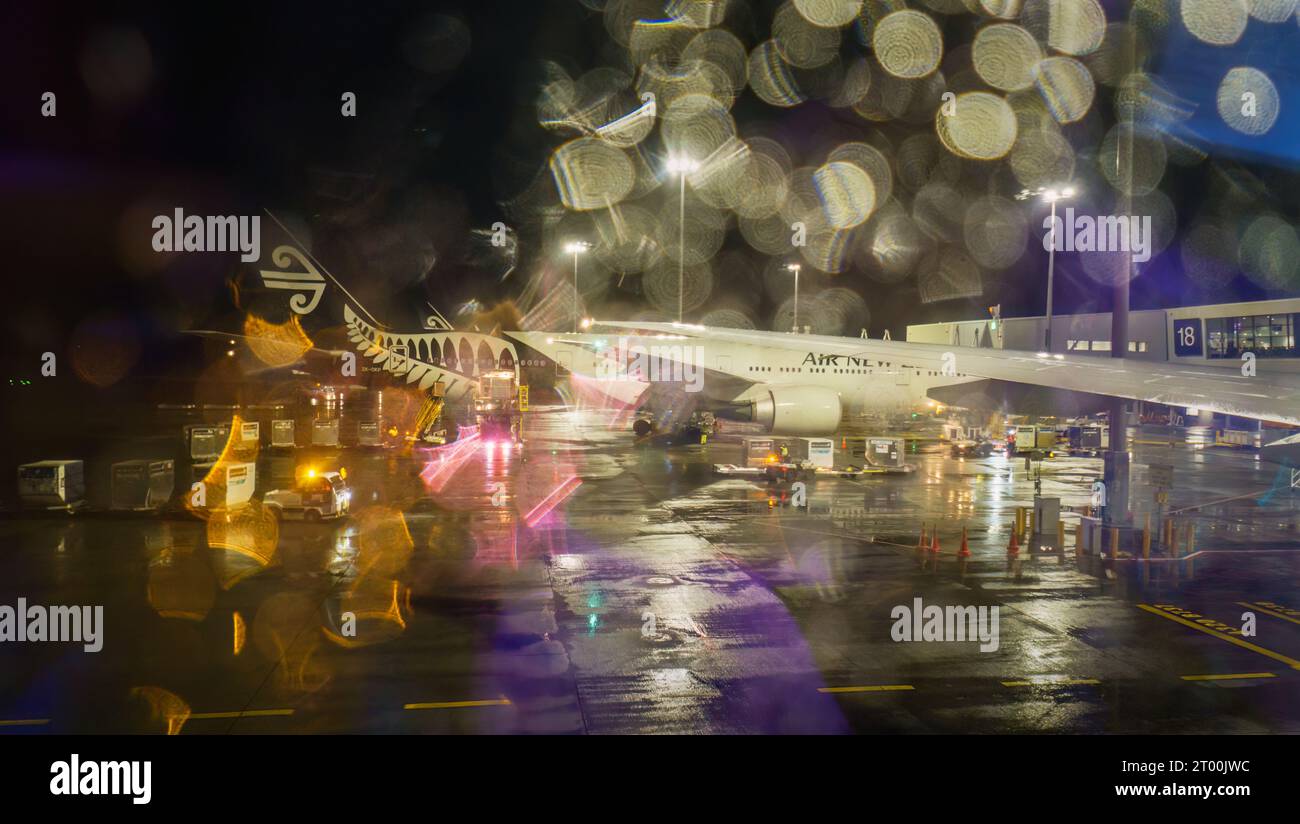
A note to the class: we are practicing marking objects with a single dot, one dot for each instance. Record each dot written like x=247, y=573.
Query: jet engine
x=796, y=410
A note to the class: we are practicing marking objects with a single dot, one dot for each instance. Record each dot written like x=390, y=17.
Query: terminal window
x=1102, y=346
x=1268, y=336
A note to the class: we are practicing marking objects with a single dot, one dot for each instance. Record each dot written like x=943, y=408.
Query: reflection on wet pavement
x=582, y=583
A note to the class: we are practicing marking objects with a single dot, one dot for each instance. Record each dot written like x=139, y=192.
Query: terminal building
x=1219, y=335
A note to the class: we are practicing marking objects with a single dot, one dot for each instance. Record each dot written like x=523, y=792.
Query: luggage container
x=205, y=441
x=1094, y=439
x=229, y=486
x=757, y=451
x=325, y=433
x=142, y=484
x=885, y=453
x=52, y=484
x=282, y=433
x=368, y=433
x=820, y=452
x=1034, y=439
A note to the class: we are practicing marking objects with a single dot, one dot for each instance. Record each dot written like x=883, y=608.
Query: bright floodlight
x=575, y=248
x=795, y=267
x=1050, y=195
x=681, y=164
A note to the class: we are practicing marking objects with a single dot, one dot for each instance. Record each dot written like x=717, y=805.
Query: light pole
x=795, y=267
x=681, y=165
x=1051, y=196
x=576, y=248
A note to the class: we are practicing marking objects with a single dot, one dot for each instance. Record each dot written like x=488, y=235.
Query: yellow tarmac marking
x=1276, y=656
x=1233, y=676
x=454, y=705
x=25, y=722
x=1267, y=611
x=870, y=688
x=1053, y=682
x=206, y=716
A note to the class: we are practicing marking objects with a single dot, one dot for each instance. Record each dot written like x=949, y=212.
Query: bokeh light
x=908, y=44
x=1248, y=101
x=1005, y=55
x=1217, y=22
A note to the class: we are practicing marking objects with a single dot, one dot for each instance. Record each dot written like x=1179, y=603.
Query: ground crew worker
x=785, y=452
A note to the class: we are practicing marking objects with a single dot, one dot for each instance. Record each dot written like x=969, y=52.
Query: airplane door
x=724, y=364
x=565, y=360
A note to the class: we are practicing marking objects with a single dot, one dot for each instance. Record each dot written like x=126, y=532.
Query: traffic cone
x=921, y=544
x=964, y=552
x=1013, y=548
x=934, y=542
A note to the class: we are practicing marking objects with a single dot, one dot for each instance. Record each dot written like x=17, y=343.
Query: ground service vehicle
x=316, y=497
x=973, y=449
x=496, y=406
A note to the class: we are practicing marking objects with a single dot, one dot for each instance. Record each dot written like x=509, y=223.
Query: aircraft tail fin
x=308, y=285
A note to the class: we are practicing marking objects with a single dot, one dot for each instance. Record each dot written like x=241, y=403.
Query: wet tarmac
x=586, y=584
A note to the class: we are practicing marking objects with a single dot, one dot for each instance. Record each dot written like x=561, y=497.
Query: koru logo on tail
x=308, y=285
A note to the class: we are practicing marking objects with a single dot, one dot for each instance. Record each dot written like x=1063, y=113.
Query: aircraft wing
x=1274, y=397
x=585, y=354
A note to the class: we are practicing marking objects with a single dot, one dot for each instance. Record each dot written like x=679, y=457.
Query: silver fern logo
x=421, y=359
x=308, y=285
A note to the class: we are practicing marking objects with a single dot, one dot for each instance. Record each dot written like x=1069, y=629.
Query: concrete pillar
x=1116, y=459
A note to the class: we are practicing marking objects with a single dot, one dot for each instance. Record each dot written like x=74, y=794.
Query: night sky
x=237, y=109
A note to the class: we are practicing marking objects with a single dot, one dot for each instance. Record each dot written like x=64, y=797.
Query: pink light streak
x=554, y=499
x=447, y=461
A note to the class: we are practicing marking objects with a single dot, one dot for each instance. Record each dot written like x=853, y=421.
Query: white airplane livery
x=805, y=384
x=800, y=384
x=789, y=390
